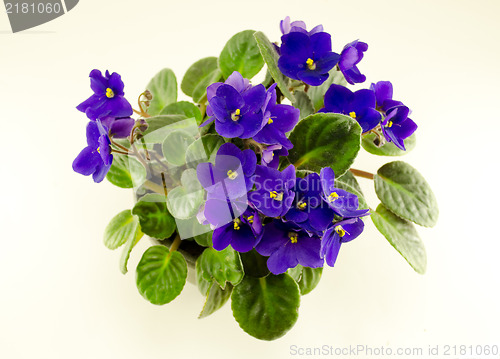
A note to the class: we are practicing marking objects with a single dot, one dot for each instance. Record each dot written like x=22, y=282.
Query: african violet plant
x=251, y=185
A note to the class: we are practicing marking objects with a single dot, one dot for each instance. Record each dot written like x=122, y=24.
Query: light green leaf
x=222, y=266
x=266, y=308
x=241, y=54
x=161, y=275
x=187, y=109
x=154, y=217
x=184, y=201
x=349, y=179
x=203, y=149
x=197, y=74
x=404, y=191
x=309, y=279
x=271, y=58
x=317, y=93
x=126, y=172
x=325, y=140
x=122, y=227
x=303, y=103
x=349, y=183
x=402, y=235
x=163, y=87
x=175, y=145
x=127, y=249
x=216, y=298
x=370, y=140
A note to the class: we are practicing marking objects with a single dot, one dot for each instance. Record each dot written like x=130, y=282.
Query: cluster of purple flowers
x=290, y=220
x=109, y=113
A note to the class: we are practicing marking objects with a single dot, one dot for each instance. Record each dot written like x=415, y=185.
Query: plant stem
x=154, y=187
x=363, y=174
x=118, y=145
x=176, y=244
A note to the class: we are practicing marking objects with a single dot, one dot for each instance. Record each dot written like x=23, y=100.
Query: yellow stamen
x=302, y=205
x=232, y=175
x=236, y=225
x=352, y=114
x=276, y=196
x=109, y=93
x=310, y=64
x=250, y=219
x=340, y=231
x=293, y=237
x=99, y=150
x=389, y=124
x=235, y=116
x=333, y=196
x=269, y=122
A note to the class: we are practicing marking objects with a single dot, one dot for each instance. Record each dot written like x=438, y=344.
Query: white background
x=62, y=295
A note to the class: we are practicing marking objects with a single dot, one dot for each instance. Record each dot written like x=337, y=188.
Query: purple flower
x=308, y=209
x=271, y=155
x=287, y=245
x=360, y=105
x=278, y=119
x=273, y=195
x=397, y=126
x=118, y=127
x=232, y=176
x=383, y=91
x=96, y=158
x=107, y=100
x=338, y=233
x=351, y=55
x=236, y=107
x=242, y=233
x=343, y=203
x=307, y=58
x=287, y=26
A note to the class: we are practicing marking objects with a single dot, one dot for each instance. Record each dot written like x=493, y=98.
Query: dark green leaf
x=161, y=275
x=325, y=140
x=175, y=145
x=309, y=279
x=216, y=298
x=197, y=74
x=203, y=149
x=241, y=54
x=349, y=179
x=126, y=172
x=349, y=183
x=183, y=108
x=402, y=235
x=154, y=217
x=303, y=103
x=370, y=140
x=271, y=58
x=163, y=87
x=404, y=191
x=222, y=266
x=254, y=264
x=205, y=239
x=266, y=308
x=317, y=93
x=122, y=227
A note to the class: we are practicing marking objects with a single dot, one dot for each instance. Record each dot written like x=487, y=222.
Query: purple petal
x=337, y=99
x=321, y=44
x=98, y=83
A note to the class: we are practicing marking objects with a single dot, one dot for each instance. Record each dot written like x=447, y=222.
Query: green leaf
x=161, y=275
x=126, y=172
x=241, y=54
x=369, y=142
x=404, y=191
x=122, y=227
x=197, y=74
x=254, y=264
x=185, y=108
x=266, y=308
x=184, y=201
x=271, y=58
x=303, y=103
x=175, y=145
x=200, y=92
x=222, y=266
x=402, y=235
x=205, y=239
x=349, y=183
x=154, y=217
x=325, y=140
x=204, y=149
x=163, y=87
x=309, y=279
x=317, y=93
x=216, y=298
x=127, y=249
x=160, y=126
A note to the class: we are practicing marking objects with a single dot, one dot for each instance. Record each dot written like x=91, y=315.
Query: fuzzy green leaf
x=241, y=54
x=163, y=87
